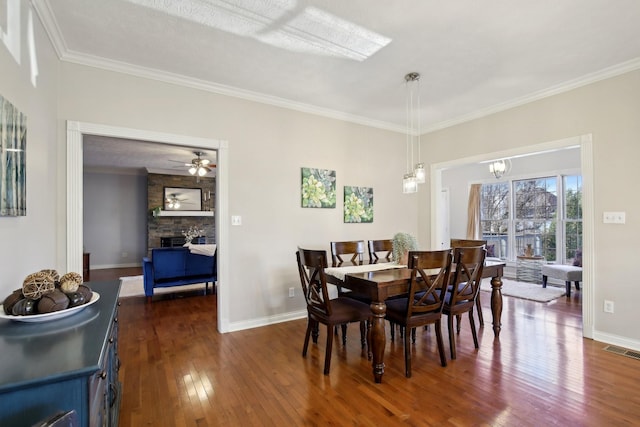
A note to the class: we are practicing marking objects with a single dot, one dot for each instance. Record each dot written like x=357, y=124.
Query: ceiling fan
x=199, y=166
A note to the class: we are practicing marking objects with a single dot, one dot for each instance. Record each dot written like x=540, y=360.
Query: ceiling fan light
x=192, y=170
x=202, y=171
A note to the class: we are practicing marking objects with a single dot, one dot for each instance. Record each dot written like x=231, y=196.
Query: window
x=544, y=212
x=535, y=216
x=572, y=218
x=494, y=217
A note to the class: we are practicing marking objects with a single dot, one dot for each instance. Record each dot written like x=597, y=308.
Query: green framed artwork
x=358, y=204
x=318, y=188
x=13, y=168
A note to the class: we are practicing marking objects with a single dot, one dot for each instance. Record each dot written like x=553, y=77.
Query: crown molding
x=604, y=74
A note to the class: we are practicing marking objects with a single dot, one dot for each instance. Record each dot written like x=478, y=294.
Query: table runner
x=340, y=272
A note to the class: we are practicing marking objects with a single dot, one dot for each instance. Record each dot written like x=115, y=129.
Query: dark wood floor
x=177, y=370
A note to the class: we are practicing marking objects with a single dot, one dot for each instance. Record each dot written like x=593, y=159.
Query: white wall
x=267, y=147
x=115, y=219
x=31, y=243
x=609, y=111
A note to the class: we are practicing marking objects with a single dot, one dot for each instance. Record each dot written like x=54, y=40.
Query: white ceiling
x=348, y=59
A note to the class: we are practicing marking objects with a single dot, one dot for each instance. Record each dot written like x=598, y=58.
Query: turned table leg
x=378, y=339
x=496, y=304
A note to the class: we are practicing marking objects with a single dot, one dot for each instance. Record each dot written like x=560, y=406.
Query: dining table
x=382, y=281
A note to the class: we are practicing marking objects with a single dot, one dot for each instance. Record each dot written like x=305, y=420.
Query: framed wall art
x=358, y=204
x=13, y=167
x=318, y=188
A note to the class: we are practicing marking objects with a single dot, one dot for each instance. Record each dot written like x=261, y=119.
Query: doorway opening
x=584, y=143
x=74, y=203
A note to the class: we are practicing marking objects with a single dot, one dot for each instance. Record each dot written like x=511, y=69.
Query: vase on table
x=528, y=251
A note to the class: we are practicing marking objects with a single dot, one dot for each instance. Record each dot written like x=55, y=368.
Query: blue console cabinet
x=63, y=364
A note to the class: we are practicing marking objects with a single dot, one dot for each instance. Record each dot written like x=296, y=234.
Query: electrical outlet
x=608, y=306
x=291, y=292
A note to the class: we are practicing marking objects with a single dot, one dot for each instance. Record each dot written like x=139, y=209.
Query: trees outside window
x=494, y=222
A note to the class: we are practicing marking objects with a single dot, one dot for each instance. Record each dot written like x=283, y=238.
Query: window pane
x=573, y=197
x=494, y=218
x=535, y=216
x=573, y=215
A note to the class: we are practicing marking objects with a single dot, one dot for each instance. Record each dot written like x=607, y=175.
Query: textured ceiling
x=348, y=59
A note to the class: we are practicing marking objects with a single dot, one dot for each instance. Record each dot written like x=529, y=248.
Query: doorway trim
x=588, y=220
x=74, y=187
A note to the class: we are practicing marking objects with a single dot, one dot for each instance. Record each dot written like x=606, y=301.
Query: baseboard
x=616, y=340
x=267, y=320
x=106, y=266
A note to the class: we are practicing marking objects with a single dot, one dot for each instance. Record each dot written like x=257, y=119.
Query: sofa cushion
x=199, y=265
x=169, y=263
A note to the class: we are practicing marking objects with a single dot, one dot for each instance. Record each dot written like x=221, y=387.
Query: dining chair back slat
x=354, y=249
x=382, y=247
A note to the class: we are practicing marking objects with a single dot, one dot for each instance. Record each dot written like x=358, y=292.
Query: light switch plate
x=614, y=217
x=236, y=220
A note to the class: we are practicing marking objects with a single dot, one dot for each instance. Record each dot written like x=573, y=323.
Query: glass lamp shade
x=409, y=184
x=202, y=171
x=498, y=168
x=192, y=170
x=420, y=173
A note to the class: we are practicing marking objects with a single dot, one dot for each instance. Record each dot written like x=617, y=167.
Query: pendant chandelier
x=417, y=175
x=499, y=167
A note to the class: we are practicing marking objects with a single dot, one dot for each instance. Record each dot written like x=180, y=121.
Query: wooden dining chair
x=463, y=291
x=378, y=248
x=321, y=309
x=424, y=303
x=352, y=251
x=470, y=243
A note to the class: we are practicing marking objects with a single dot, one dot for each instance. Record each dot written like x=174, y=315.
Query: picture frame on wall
x=318, y=188
x=358, y=204
x=13, y=161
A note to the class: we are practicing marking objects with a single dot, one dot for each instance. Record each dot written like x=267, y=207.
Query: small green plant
x=402, y=244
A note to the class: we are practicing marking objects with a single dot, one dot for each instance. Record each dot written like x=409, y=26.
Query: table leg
x=496, y=304
x=378, y=339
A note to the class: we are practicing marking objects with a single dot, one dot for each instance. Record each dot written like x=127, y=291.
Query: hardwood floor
x=177, y=370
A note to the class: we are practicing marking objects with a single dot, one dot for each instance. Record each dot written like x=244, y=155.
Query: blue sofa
x=177, y=266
